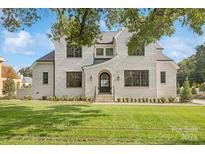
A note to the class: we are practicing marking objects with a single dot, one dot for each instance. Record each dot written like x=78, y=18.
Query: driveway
x=199, y=101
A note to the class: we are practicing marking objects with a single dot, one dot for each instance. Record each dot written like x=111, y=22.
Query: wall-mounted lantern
x=91, y=78
x=118, y=78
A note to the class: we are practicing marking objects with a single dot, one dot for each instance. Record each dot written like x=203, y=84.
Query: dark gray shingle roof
x=100, y=60
x=48, y=57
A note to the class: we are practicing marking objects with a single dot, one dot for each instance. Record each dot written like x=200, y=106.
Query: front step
x=104, y=98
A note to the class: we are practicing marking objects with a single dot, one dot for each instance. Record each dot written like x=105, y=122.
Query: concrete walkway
x=199, y=101
x=149, y=104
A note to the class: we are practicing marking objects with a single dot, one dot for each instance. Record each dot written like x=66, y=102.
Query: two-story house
x=105, y=68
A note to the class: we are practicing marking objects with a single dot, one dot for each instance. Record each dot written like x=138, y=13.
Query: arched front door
x=104, y=83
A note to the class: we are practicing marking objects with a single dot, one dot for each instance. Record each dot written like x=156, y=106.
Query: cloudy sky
x=23, y=47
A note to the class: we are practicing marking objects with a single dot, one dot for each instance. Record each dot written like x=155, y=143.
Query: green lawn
x=42, y=122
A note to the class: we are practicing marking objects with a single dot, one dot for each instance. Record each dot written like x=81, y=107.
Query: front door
x=104, y=83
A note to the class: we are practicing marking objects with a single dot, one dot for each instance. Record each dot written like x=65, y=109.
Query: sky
x=22, y=48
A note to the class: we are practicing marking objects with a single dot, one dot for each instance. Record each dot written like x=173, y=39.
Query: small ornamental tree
x=9, y=87
x=202, y=87
x=186, y=93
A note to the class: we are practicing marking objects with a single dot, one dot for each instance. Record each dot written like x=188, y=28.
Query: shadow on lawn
x=17, y=120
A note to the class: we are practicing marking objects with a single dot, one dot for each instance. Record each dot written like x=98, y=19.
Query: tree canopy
x=26, y=71
x=9, y=72
x=193, y=67
x=81, y=26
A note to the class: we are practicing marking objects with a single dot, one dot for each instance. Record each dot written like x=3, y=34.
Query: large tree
x=82, y=26
x=26, y=71
x=193, y=67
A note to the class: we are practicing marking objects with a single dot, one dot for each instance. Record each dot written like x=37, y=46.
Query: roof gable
x=48, y=57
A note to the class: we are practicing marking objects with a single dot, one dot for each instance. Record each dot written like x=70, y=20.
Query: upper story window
x=163, y=77
x=99, y=51
x=45, y=77
x=104, y=52
x=109, y=51
x=136, y=78
x=74, y=51
x=73, y=79
x=138, y=52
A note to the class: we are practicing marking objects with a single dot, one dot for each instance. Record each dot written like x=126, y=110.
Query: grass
x=43, y=122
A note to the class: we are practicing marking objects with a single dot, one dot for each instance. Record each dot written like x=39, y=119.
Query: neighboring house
x=105, y=68
x=8, y=72
x=26, y=81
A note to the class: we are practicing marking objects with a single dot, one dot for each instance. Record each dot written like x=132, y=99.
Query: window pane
x=163, y=77
x=78, y=52
x=109, y=51
x=74, y=51
x=144, y=78
x=99, y=51
x=45, y=77
x=74, y=79
x=138, y=78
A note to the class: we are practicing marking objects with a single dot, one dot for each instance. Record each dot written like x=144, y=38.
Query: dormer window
x=109, y=51
x=103, y=52
x=99, y=51
x=138, y=52
x=74, y=51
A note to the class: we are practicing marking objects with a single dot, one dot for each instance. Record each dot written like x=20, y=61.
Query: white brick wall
x=115, y=66
x=38, y=88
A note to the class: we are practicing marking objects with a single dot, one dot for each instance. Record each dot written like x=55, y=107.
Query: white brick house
x=105, y=67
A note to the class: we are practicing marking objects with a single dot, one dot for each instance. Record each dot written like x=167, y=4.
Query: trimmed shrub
x=135, y=100
x=158, y=100
x=28, y=97
x=150, y=100
x=146, y=100
x=127, y=99
x=139, y=100
x=171, y=99
x=118, y=99
x=154, y=100
x=163, y=100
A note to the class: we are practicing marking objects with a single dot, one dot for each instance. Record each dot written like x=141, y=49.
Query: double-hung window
x=163, y=77
x=45, y=77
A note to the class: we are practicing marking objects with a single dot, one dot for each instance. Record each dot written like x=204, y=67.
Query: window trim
x=161, y=81
x=140, y=76
x=67, y=79
x=104, y=52
x=45, y=83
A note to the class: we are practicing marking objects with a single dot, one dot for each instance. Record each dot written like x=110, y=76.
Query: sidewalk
x=199, y=101
x=149, y=104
